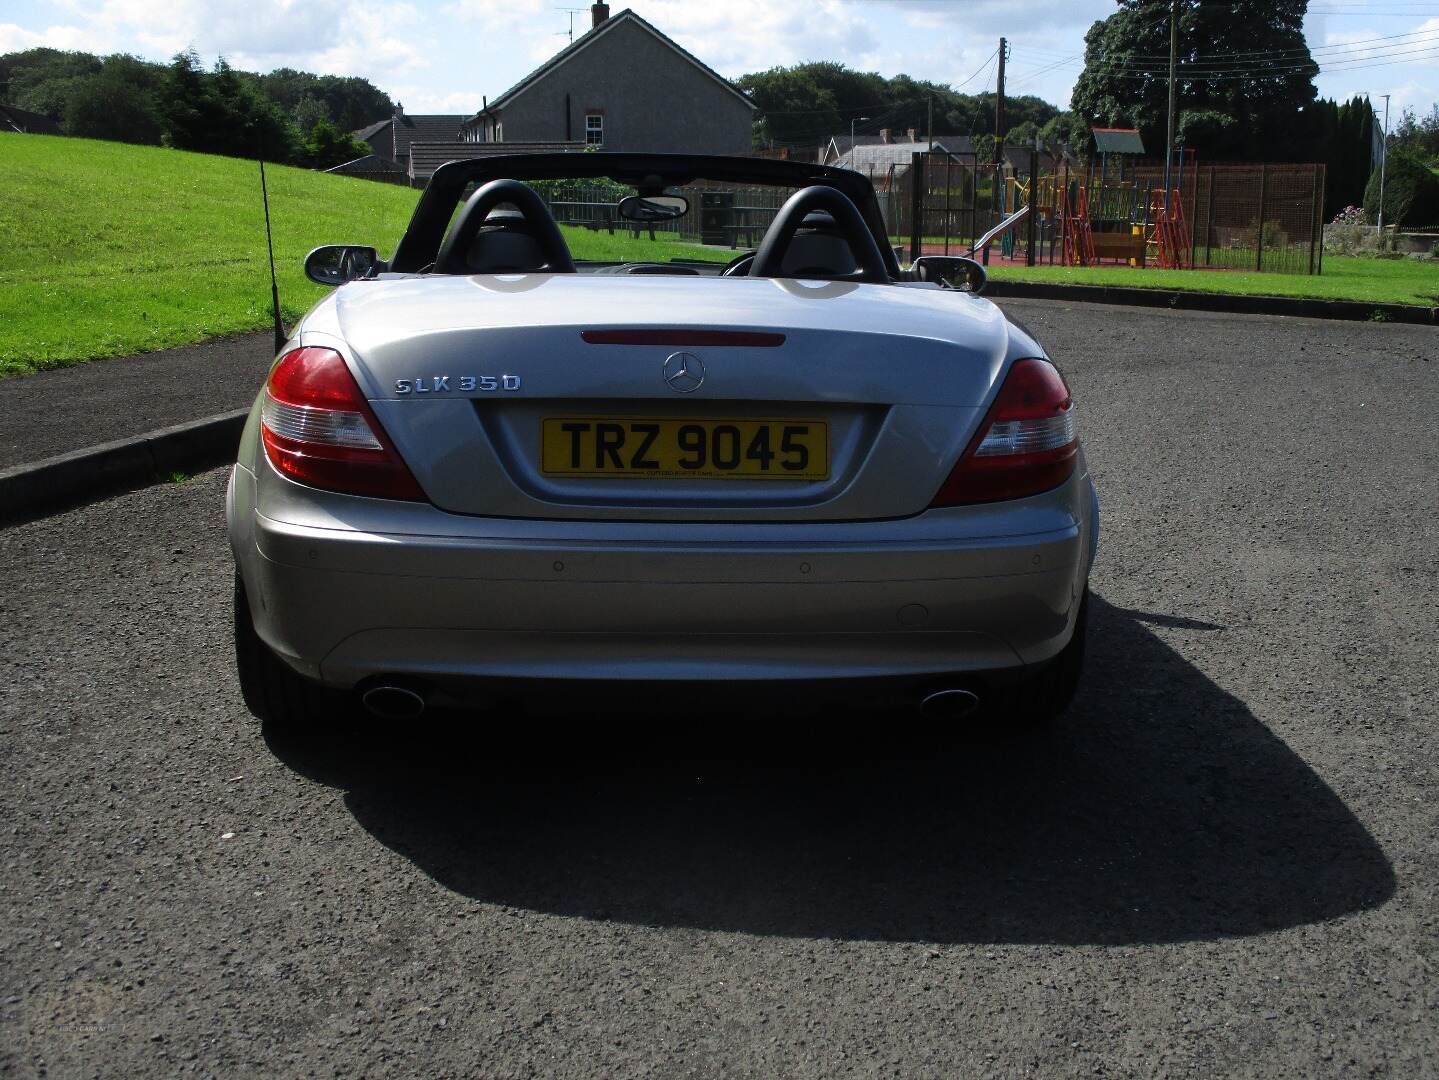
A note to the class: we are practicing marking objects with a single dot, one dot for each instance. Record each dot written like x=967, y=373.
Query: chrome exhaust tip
x=390, y=702
x=952, y=704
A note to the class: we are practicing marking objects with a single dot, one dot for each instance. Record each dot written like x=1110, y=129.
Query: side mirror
x=335, y=264
x=951, y=271
x=647, y=209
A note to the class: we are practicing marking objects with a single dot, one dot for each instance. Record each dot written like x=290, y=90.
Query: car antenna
x=280, y=334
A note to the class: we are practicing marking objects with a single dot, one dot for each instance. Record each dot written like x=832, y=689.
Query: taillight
x=319, y=430
x=1026, y=444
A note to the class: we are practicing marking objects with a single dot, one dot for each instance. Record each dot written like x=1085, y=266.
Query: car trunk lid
x=469, y=374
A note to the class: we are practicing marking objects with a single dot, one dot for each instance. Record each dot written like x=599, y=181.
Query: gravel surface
x=1223, y=863
x=54, y=412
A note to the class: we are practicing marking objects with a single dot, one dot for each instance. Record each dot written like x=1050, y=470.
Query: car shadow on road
x=1159, y=810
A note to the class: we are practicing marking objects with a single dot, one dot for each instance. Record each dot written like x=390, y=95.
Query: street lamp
x=1383, y=160
x=852, y=120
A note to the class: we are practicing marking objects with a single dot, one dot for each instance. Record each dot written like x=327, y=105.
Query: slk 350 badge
x=439, y=384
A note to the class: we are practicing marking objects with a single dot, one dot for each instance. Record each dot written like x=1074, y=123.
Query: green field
x=116, y=249
x=1379, y=281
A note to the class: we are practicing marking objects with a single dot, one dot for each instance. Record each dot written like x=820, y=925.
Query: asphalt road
x=1223, y=863
x=54, y=412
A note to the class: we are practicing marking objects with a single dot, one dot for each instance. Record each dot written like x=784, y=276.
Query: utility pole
x=929, y=120
x=1383, y=160
x=999, y=105
x=1173, y=63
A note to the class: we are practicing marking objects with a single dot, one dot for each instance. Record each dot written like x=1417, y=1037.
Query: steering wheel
x=739, y=265
x=538, y=219
x=769, y=259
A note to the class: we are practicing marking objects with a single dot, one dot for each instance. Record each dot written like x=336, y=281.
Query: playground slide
x=1000, y=229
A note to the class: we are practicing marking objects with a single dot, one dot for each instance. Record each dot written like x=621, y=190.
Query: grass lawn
x=1380, y=281
x=115, y=249
x=624, y=247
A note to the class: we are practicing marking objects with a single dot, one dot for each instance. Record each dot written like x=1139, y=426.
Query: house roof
x=24, y=121
x=839, y=145
x=579, y=44
x=369, y=131
x=1118, y=140
x=369, y=165
x=425, y=158
x=407, y=128
x=883, y=155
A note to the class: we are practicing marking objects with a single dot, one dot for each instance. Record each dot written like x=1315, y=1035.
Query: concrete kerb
x=1351, y=310
x=39, y=487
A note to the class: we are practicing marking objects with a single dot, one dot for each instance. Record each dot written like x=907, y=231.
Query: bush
x=1350, y=233
x=1411, y=191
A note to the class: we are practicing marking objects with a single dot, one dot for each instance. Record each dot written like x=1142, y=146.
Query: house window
x=594, y=129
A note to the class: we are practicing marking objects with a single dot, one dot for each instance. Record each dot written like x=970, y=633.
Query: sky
x=441, y=56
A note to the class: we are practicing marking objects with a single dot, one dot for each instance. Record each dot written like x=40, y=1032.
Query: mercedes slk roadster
x=480, y=469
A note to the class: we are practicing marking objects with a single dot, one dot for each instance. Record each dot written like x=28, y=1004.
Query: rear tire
x=274, y=694
x=1044, y=697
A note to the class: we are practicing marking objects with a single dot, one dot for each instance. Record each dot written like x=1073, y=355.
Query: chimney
x=884, y=135
x=598, y=13
x=914, y=135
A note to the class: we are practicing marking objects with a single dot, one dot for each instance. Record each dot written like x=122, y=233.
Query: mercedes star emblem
x=684, y=372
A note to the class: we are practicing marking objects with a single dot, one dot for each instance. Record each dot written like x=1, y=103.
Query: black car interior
x=651, y=175
x=506, y=228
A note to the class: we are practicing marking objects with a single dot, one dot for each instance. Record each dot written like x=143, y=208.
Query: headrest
x=504, y=215
x=818, y=219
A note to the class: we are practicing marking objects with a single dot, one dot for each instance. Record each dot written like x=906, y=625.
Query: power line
x=1411, y=52
x=981, y=69
x=1419, y=35
x=1273, y=72
x=1236, y=62
x=1032, y=75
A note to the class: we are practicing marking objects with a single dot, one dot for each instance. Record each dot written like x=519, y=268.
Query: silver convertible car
x=480, y=470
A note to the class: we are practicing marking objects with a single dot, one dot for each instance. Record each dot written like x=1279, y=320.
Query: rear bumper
x=469, y=601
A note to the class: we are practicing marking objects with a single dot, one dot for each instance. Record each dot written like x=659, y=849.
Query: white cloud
x=417, y=99
x=329, y=36
x=1405, y=66
x=14, y=38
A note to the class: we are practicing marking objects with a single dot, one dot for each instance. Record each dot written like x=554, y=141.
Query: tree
x=1419, y=135
x=119, y=102
x=1411, y=191
x=1070, y=129
x=1245, y=75
x=350, y=102
x=1341, y=136
x=327, y=147
x=309, y=112
x=809, y=103
x=41, y=80
x=1022, y=134
x=221, y=112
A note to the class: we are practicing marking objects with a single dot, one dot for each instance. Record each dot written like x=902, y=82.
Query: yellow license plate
x=666, y=449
